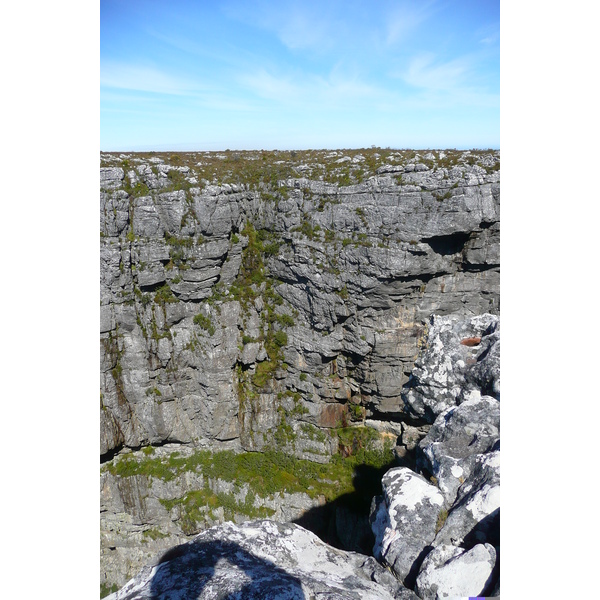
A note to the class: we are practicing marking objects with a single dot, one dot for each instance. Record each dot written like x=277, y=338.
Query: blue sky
x=208, y=75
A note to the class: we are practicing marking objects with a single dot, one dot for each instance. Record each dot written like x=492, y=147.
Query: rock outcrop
x=262, y=560
x=461, y=356
x=441, y=537
x=404, y=521
x=261, y=301
x=450, y=572
x=436, y=538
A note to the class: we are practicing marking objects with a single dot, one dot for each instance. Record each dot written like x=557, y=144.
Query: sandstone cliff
x=229, y=311
x=270, y=302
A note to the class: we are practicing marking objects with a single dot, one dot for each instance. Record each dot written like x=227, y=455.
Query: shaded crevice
x=353, y=359
x=486, y=531
x=110, y=454
x=446, y=245
x=294, y=280
x=420, y=278
x=487, y=224
x=411, y=579
x=344, y=522
x=153, y=287
x=341, y=319
x=478, y=268
x=114, y=452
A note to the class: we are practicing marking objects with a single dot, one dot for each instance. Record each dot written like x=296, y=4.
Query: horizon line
x=329, y=148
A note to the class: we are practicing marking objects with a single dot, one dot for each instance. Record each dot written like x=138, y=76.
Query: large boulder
x=262, y=560
x=438, y=529
x=462, y=355
x=451, y=572
x=475, y=515
x=404, y=521
x=458, y=435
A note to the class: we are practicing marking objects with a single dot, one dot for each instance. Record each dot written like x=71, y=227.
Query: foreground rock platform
x=262, y=560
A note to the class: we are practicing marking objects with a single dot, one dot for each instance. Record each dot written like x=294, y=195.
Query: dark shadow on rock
x=411, y=578
x=449, y=244
x=344, y=522
x=486, y=531
x=189, y=570
x=492, y=587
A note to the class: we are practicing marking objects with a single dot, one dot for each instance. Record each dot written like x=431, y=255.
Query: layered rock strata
x=246, y=316
x=435, y=541
x=229, y=310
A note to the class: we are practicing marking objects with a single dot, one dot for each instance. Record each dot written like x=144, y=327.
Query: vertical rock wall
x=235, y=313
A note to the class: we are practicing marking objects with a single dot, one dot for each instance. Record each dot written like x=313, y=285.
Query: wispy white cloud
x=431, y=86
x=490, y=39
x=315, y=27
x=404, y=18
x=299, y=28
x=488, y=35
x=440, y=84
x=147, y=90
x=225, y=103
x=265, y=85
x=424, y=72
x=226, y=53
x=308, y=90
x=144, y=78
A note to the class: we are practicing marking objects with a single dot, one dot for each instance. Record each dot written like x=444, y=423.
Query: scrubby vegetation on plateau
x=266, y=170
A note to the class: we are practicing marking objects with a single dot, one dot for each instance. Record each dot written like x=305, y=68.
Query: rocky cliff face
x=273, y=301
x=229, y=311
x=438, y=535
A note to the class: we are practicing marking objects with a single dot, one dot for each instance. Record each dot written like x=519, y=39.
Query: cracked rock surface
x=442, y=536
x=262, y=560
x=197, y=277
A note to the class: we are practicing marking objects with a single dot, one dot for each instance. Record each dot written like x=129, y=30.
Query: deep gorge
x=261, y=315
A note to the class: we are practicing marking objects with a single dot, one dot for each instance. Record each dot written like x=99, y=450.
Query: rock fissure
x=448, y=244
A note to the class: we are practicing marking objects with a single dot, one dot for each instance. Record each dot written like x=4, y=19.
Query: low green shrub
x=205, y=323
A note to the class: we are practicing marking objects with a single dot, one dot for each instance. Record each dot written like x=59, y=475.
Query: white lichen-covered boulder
x=458, y=435
x=452, y=572
x=262, y=560
x=453, y=547
x=461, y=355
x=475, y=515
x=404, y=521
